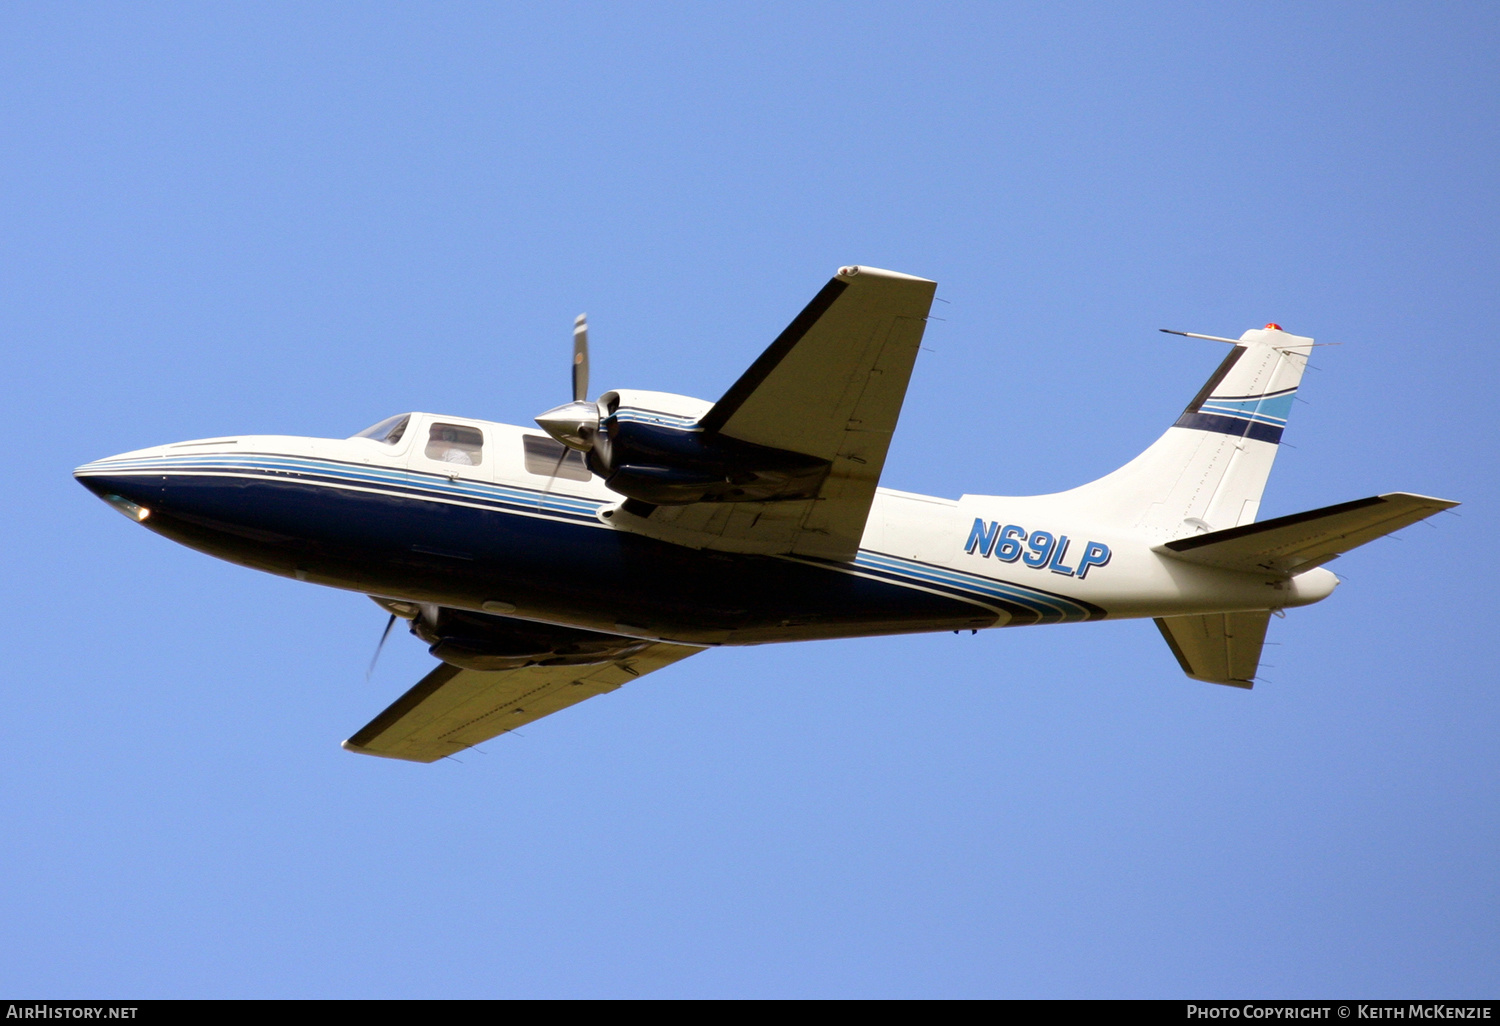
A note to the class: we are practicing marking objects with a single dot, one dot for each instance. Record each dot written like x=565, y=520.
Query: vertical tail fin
x=1208, y=471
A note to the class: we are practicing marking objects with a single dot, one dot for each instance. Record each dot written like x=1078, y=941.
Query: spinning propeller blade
x=581, y=358
x=575, y=424
x=541, y=502
x=383, y=635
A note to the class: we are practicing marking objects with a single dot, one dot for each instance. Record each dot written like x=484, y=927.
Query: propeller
x=576, y=423
x=580, y=358
x=376, y=657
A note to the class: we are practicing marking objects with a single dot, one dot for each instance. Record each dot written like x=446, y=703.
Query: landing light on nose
x=134, y=511
x=98, y=478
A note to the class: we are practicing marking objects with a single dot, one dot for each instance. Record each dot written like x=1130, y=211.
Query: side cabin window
x=550, y=458
x=455, y=443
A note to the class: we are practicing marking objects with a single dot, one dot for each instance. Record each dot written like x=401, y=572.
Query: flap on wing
x=1220, y=648
x=762, y=528
x=1302, y=541
x=452, y=709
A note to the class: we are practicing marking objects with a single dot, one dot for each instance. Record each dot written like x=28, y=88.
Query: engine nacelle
x=479, y=641
x=649, y=446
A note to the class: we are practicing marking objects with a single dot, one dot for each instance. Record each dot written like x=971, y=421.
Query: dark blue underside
x=408, y=547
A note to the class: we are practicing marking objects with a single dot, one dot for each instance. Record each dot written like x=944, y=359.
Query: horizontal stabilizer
x=1301, y=541
x=1220, y=648
x=452, y=709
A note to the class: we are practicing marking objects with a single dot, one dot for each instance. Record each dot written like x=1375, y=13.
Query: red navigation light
x=1273, y=327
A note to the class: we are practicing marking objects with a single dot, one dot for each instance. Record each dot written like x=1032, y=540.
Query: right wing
x=1301, y=541
x=829, y=387
x=451, y=709
x=840, y=368
x=1220, y=648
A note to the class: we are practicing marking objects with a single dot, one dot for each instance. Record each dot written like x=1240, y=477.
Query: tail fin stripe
x=1253, y=417
x=1237, y=426
x=1273, y=411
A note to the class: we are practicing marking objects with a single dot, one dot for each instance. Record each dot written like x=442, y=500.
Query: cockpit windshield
x=388, y=431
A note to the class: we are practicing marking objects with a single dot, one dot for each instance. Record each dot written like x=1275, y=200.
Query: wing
x=1302, y=541
x=831, y=387
x=1220, y=648
x=451, y=709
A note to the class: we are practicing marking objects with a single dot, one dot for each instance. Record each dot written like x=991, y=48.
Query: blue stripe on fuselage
x=339, y=474
x=396, y=511
x=1049, y=607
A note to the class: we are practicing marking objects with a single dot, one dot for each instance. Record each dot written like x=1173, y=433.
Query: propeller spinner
x=577, y=423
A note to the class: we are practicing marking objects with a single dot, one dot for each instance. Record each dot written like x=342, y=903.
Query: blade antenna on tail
x=1233, y=341
x=1194, y=334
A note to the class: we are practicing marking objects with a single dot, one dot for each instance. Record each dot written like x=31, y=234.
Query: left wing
x=830, y=387
x=451, y=708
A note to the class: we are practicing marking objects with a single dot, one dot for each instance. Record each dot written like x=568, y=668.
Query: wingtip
x=1228, y=682
x=852, y=271
x=1428, y=499
x=350, y=746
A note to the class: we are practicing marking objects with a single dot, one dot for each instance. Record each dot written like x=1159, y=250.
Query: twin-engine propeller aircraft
x=644, y=527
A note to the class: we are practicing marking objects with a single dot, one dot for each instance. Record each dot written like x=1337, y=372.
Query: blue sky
x=299, y=219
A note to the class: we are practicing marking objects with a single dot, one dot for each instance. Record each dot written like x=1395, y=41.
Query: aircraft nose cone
x=132, y=496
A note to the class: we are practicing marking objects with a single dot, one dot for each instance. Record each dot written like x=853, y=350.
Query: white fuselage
x=284, y=504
